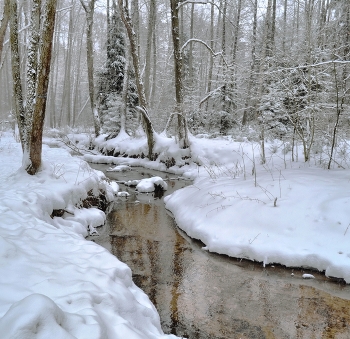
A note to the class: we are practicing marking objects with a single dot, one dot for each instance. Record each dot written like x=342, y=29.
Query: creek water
x=205, y=295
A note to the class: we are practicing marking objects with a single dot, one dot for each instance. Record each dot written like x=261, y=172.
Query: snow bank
x=56, y=283
x=290, y=213
x=284, y=211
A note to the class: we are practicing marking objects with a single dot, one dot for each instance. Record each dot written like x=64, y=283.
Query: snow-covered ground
x=287, y=212
x=53, y=282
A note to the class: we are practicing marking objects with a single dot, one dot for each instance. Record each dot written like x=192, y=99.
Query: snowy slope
x=285, y=211
x=54, y=283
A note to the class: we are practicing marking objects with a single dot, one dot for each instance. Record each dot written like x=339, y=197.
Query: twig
x=250, y=241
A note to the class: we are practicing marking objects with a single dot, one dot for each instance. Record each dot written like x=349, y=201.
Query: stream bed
x=205, y=295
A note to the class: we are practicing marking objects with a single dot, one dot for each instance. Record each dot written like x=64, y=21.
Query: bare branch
x=205, y=3
x=201, y=42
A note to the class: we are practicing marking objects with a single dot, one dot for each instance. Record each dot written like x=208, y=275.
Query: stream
x=205, y=295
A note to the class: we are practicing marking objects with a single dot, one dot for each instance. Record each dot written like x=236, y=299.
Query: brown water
x=205, y=295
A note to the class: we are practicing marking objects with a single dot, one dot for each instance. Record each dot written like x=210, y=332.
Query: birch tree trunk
x=89, y=10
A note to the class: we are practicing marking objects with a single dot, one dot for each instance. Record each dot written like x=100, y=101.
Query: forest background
x=253, y=69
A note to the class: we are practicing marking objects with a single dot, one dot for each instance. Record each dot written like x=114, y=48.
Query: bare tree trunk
x=89, y=10
x=267, y=53
x=190, y=58
x=135, y=17
x=32, y=67
x=236, y=31
x=151, y=27
x=4, y=24
x=125, y=94
x=154, y=78
x=16, y=75
x=182, y=128
x=42, y=87
x=146, y=122
x=77, y=80
x=54, y=120
x=67, y=88
x=211, y=60
x=284, y=27
x=248, y=101
x=31, y=121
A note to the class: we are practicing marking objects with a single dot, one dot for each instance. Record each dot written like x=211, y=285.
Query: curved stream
x=205, y=295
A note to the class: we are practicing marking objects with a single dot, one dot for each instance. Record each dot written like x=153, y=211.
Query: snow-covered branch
x=206, y=45
x=201, y=42
x=329, y=62
x=209, y=95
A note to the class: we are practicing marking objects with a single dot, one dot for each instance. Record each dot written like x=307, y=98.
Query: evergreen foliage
x=110, y=82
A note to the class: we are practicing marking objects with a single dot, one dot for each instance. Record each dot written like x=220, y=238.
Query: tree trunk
x=135, y=19
x=182, y=128
x=32, y=63
x=154, y=78
x=284, y=27
x=190, y=57
x=16, y=75
x=125, y=95
x=89, y=10
x=211, y=60
x=151, y=27
x=4, y=24
x=248, y=102
x=42, y=87
x=76, y=88
x=67, y=88
x=146, y=122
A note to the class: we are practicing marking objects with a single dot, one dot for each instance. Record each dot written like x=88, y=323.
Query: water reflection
x=204, y=295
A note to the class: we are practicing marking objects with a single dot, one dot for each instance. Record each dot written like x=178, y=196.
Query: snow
x=123, y=194
x=114, y=186
x=287, y=212
x=119, y=168
x=150, y=184
x=284, y=212
x=55, y=282
x=308, y=276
